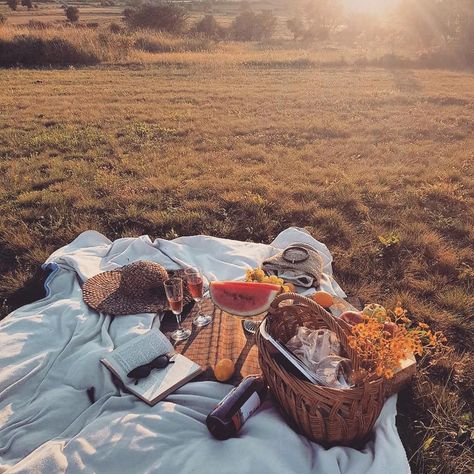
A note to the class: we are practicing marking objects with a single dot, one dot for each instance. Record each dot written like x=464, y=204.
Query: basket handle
x=327, y=317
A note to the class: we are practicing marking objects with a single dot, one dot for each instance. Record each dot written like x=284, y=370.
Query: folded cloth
x=300, y=264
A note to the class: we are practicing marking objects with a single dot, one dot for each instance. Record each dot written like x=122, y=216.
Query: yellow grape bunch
x=257, y=275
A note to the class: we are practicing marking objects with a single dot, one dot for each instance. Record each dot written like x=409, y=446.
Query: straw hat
x=134, y=288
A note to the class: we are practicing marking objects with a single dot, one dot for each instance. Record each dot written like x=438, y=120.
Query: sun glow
x=376, y=7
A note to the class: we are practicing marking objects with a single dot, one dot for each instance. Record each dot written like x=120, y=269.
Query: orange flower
x=384, y=351
x=388, y=374
x=352, y=342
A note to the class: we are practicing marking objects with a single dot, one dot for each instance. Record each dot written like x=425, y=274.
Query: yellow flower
x=423, y=325
x=379, y=371
x=399, y=311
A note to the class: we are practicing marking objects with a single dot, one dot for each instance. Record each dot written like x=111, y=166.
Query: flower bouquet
x=388, y=341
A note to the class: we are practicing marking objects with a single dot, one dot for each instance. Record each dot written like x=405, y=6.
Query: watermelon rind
x=242, y=298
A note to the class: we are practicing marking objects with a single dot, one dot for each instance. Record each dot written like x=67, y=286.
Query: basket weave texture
x=329, y=416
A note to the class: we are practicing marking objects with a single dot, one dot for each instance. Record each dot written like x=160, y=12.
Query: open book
x=140, y=351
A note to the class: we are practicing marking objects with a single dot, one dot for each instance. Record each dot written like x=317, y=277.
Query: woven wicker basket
x=326, y=415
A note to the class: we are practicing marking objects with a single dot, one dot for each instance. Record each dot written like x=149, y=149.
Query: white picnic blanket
x=49, y=357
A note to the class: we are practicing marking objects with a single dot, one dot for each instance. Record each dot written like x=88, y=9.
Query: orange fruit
x=323, y=298
x=224, y=370
x=290, y=286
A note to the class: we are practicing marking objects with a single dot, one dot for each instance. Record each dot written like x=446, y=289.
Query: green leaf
x=427, y=443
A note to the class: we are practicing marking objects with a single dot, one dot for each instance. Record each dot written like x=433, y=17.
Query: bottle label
x=249, y=407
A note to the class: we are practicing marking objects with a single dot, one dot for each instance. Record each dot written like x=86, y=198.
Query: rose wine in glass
x=174, y=294
x=195, y=284
x=195, y=288
x=176, y=305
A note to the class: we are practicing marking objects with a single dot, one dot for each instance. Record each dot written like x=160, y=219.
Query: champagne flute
x=195, y=284
x=174, y=293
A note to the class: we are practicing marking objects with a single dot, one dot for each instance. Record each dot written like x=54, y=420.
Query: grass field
x=54, y=13
x=91, y=12
x=245, y=149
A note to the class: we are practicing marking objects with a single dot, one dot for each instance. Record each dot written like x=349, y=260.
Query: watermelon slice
x=242, y=298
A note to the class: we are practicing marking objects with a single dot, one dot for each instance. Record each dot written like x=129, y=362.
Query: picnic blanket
x=49, y=357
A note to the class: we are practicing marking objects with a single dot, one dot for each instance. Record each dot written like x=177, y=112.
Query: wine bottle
x=236, y=407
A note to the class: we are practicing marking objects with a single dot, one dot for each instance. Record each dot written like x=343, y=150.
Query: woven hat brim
x=102, y=293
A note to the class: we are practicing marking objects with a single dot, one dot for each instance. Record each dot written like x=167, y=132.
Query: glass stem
x=178, y=319
x=198, y=301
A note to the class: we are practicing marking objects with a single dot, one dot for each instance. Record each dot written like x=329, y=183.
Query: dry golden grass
x=242, y=148
x=106, y=47
x=148, y=47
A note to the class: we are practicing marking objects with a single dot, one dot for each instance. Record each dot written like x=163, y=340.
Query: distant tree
x=72, y=14
x=323, y=16
x=316, y=19
x=363, y=24
x=430, y=21
x=419, y=25
x=164, y=17
x=248, y=26
x=466, y=27
x=207, y=26
x=27, y=3
x=243, y=26
x=442, y=23
x=320, y=18
x=296, y=27
x=208, y=5
x=13, y=4
x=265, y=24
x=245, y=6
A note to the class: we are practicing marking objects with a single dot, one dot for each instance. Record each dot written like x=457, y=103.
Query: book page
x=138, y=351
x=160, y=382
